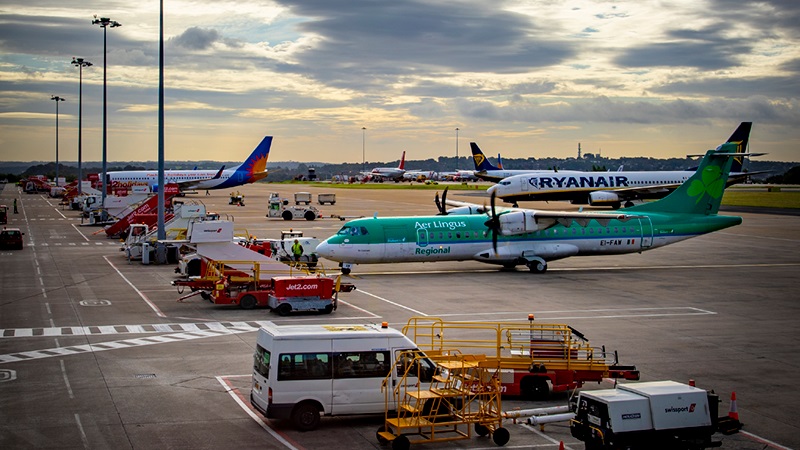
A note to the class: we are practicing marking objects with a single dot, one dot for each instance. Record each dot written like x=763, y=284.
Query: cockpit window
x=348, y=230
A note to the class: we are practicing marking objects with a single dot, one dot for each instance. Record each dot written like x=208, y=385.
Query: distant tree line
x=778, y=172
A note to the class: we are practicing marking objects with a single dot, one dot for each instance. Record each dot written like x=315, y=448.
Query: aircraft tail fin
x=254, y=167
x=402, y=165
x=702, y=192
x=499, y=162
x=742, y=134
x=482, y=164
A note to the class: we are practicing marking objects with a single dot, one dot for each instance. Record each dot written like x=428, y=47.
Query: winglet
x=219, y=174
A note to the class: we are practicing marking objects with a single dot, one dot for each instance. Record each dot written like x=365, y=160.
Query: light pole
x=456, y=149
x=363, y=147
x=57, y=100
x=81, y=63
x=104, y=23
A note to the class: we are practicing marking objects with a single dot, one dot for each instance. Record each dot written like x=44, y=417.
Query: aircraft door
x=523, y=184
x=422, y=237
x=647, y=232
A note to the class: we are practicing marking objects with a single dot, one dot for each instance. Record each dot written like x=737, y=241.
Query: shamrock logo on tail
x=710, y=182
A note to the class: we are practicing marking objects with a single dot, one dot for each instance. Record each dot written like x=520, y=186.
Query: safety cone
x=733, y=413
x=561, y=445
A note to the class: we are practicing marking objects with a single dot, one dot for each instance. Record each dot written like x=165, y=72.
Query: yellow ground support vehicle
x=463, y=398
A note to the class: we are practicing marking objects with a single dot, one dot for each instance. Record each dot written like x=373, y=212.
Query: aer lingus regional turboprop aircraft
x=517, y=236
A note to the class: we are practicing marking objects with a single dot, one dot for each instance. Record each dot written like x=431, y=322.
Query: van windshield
x=261, y=361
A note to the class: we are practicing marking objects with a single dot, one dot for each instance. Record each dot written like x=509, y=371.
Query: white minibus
x=301, y=372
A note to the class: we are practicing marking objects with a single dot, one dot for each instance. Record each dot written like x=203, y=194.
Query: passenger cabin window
x=370, y=364
x=304, y=366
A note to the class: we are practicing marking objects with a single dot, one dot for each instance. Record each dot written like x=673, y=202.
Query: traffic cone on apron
x=733, y=413
x=561, y=445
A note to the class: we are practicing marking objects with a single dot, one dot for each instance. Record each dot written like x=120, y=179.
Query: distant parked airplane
x=390, y=173
x=251, y=170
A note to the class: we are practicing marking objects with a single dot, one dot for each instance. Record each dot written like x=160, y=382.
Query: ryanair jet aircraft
x=251, y=170
x=516, y=236
x=608, y=188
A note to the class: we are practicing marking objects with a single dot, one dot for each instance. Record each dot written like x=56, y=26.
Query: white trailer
x=326, y=198
x=302, y=197
x=659, y=414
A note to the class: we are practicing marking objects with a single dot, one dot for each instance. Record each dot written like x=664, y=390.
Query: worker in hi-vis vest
x=297, y=250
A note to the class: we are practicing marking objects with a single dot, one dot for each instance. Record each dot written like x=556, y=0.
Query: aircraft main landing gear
x=537, y=265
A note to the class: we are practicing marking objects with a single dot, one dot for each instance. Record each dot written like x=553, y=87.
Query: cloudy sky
x=520, y=77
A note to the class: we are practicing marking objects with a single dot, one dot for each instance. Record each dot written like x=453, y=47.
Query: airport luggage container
x=536, y=358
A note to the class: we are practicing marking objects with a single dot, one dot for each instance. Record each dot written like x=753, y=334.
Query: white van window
x=372, y=364
x=304, y=366
x=261, y=361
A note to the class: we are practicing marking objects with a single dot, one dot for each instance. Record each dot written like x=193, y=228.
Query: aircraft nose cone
x=325, y=250
x=492, y=190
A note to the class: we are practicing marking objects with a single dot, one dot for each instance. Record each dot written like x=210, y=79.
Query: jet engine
x=603, y=198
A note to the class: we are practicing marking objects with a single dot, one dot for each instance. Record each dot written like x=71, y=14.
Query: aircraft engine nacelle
x=466, y=210
x=600, y=198
x=521, y=222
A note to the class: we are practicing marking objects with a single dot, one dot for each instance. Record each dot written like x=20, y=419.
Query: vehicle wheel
x=305, y=417
x=333, y=203
x=284, y=309
x=248, y=302
x=481, y=430
x=309, y=215
x=509, y=265
x=287, y=215
x=381, y=440
x=535, y=388
x=401, y=443
x=346, y=271
x=537, y=267
x=501, y=436
x=628, y=204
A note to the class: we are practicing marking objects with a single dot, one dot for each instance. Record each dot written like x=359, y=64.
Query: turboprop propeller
x=441, y=205
x=493, y=224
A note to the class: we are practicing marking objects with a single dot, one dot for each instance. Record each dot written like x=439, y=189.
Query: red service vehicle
x=3, y=214
x=282, y=294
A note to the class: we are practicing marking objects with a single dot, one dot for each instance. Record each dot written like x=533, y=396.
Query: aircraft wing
x=187, y=185
x=524, y=220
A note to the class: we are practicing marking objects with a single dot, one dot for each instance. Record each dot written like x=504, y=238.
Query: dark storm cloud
x=607, y=110
x=196, y=38
x=774, y=87
x=47, y=35
x=705, y=49
x=365, y=39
